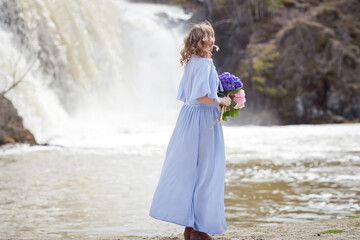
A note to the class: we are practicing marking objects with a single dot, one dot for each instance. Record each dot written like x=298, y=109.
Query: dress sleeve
x=221, y=89
x=204, y=81
x=181, y=92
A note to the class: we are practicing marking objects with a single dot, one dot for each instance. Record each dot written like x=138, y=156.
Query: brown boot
x=195, y=235
x=187, y=233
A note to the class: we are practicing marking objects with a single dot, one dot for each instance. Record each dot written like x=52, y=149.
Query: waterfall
x=103, y=67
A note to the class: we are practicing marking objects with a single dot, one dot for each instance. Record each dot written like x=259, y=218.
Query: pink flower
x=240, y=94
x=241, y=103
x=239, y=99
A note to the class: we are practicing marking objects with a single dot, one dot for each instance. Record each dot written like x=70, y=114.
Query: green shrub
x=332, y=231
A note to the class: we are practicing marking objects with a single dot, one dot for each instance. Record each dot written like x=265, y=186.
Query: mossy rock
x=283, y=92
x=258, y=79
x=265, y=56
x=354, y=49
x=259, y=88
x=271, y=91
x=272, y=57
x=274, y=6
x=268, y=48
x=288, y=3
x=261, y=66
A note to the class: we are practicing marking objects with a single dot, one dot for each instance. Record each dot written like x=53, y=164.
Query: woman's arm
x=206, y=100
x=226, y=101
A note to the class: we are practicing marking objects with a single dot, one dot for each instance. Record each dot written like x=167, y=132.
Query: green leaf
x=224, y=118
x=235, y=113
x=234, y=91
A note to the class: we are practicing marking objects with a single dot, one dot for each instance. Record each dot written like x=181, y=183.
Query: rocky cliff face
x=11, y=125
x=306, y=70
x=298, y=59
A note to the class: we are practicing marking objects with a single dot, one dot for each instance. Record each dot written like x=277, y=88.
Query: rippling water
x=274, y=174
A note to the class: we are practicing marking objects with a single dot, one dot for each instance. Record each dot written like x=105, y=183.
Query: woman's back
x=199, y=79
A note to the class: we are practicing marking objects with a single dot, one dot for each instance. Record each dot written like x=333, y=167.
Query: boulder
x=11, y=125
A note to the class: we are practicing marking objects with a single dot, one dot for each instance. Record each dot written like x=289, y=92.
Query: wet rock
x=11, y=125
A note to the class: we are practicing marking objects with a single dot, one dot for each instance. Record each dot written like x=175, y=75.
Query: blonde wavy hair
x=198, y=42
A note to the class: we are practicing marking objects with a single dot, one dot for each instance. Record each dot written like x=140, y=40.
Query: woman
x=190, y=191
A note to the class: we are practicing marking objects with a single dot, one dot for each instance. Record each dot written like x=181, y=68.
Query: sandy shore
x=289, y=231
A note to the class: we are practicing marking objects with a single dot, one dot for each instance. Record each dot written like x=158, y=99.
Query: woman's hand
x=226, y=101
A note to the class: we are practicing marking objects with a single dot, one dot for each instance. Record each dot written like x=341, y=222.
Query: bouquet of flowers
x=232, y=87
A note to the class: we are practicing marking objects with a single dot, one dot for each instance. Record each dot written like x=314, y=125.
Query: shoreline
x=322, y=229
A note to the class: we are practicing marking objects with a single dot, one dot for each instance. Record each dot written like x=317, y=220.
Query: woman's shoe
x=187, y=233
x=195, y=235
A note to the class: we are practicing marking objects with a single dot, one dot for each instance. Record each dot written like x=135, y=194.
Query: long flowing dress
x=190, y=190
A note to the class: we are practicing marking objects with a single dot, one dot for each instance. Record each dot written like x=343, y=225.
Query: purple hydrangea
x=229, y=81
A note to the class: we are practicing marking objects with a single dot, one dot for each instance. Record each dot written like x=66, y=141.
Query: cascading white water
x=105, y=66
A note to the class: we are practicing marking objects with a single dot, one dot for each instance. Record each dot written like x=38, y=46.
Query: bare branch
x=16, y=82
x=16, y=63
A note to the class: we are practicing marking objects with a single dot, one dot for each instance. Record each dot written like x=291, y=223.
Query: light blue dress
x=190, y=191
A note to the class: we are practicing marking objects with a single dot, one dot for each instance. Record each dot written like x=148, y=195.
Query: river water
x=274, y=174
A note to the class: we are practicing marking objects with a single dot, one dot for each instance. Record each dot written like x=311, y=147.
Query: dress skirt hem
x=185, y=225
